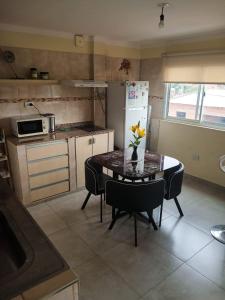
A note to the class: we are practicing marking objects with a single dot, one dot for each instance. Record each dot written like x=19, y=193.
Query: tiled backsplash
x=70, y=105
x=24, y=92
x=66, y=111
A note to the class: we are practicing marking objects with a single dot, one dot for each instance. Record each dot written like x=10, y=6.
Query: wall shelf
x=3, y=158
x=17, y=82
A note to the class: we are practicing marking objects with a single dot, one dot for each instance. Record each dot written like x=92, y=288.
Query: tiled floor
x=178, y=262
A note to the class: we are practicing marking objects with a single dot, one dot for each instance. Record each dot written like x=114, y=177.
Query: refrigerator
x=127, y=103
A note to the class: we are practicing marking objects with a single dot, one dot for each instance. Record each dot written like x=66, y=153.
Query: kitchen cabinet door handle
x=90, y=141
x=93, y=141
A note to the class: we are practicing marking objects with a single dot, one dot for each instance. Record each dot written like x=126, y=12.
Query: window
x=200, y=103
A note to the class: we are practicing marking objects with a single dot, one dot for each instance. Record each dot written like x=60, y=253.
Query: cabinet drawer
x=50, y=190
x=46, y=150
x=47, y=164
x=48, y=178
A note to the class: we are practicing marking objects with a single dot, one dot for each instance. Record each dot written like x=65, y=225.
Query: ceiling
x=119, y=20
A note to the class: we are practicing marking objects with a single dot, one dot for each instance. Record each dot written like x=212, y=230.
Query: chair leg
x=178, y=207
x=151, y=220
x=86, y=200
x=101, y=208
x=135, y=230
x=114, y=219
x=160, y=217
x=113, y=212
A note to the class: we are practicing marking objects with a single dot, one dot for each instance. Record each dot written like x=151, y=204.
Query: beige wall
x=151, y=70
x=186, y=141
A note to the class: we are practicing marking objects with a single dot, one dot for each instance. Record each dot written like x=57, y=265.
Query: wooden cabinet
x=100, y=143
x=64, y=286
x=88, y=146
x=42, y=170
x=83, y=151
x=45, y=169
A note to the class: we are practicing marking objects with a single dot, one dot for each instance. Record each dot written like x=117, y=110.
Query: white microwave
x=25, y=126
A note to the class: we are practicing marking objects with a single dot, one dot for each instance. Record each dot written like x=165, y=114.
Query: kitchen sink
x=88, y=128
x=27, y=257
x=12, y=256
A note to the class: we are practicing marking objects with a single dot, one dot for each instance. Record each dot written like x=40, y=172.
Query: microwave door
x=30, y=127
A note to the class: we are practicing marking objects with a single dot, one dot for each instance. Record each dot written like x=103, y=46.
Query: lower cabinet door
x=100, y=143
x=83, y=151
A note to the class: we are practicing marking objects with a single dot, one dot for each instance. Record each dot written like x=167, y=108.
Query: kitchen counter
x=27, y=257
x=58, y=135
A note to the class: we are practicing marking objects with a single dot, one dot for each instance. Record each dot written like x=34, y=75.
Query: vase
x=134, y=155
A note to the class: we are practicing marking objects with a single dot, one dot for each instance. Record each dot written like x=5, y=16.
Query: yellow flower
x=141, y=132
x=133, y=128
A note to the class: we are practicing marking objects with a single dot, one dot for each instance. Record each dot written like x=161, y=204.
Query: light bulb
x=161, y=22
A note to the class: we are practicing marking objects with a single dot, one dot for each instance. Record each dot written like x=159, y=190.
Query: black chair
x=173, y=179
x=95, y=181
x=134, y=198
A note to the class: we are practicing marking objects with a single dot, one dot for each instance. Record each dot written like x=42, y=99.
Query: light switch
x=79, y=41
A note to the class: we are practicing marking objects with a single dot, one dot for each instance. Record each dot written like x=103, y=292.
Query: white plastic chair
x=218, y=231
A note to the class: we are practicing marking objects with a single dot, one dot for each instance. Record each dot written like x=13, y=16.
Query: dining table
x=147, y=165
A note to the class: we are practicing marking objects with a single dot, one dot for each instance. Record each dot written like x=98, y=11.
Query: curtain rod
x=193, y=53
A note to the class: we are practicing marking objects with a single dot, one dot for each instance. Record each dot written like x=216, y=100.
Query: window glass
x=202, y=103
x=213, y=110
x=183, y=99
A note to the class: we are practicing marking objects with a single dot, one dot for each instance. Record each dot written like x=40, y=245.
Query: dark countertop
x=58, y=135
x=41, y=259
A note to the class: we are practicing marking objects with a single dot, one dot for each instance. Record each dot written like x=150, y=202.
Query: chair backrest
x=137, y=197
x=92, y=172
x=174, y=179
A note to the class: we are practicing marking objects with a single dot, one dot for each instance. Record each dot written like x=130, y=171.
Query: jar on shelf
x=33, y=73
x=44, y=75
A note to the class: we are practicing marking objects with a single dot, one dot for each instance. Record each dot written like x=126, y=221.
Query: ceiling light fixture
x=161, y=20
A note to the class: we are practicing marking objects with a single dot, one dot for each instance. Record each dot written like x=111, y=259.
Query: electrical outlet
x=28, y=104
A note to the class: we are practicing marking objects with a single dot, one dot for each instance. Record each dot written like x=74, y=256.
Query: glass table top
x=147, y=164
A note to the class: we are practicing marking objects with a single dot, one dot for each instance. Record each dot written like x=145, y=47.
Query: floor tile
x=144, y=266
x=210, y=262
x=179, y=238
x=186, y=284
x=69, y=208
x=204, y=217
x=71, y=247
x=46, y=218
x=99, y=282
x=99, y=238
x=110, y=267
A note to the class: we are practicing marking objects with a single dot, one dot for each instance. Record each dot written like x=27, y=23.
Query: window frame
x=199, y=108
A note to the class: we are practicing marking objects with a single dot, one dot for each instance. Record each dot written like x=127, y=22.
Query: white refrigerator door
x=137, y=94
x=133, y=115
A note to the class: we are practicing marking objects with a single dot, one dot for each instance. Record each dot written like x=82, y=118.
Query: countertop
x=58, y=135
x=42, y=261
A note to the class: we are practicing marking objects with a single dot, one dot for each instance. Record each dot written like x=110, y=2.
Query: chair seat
x=102, y=178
